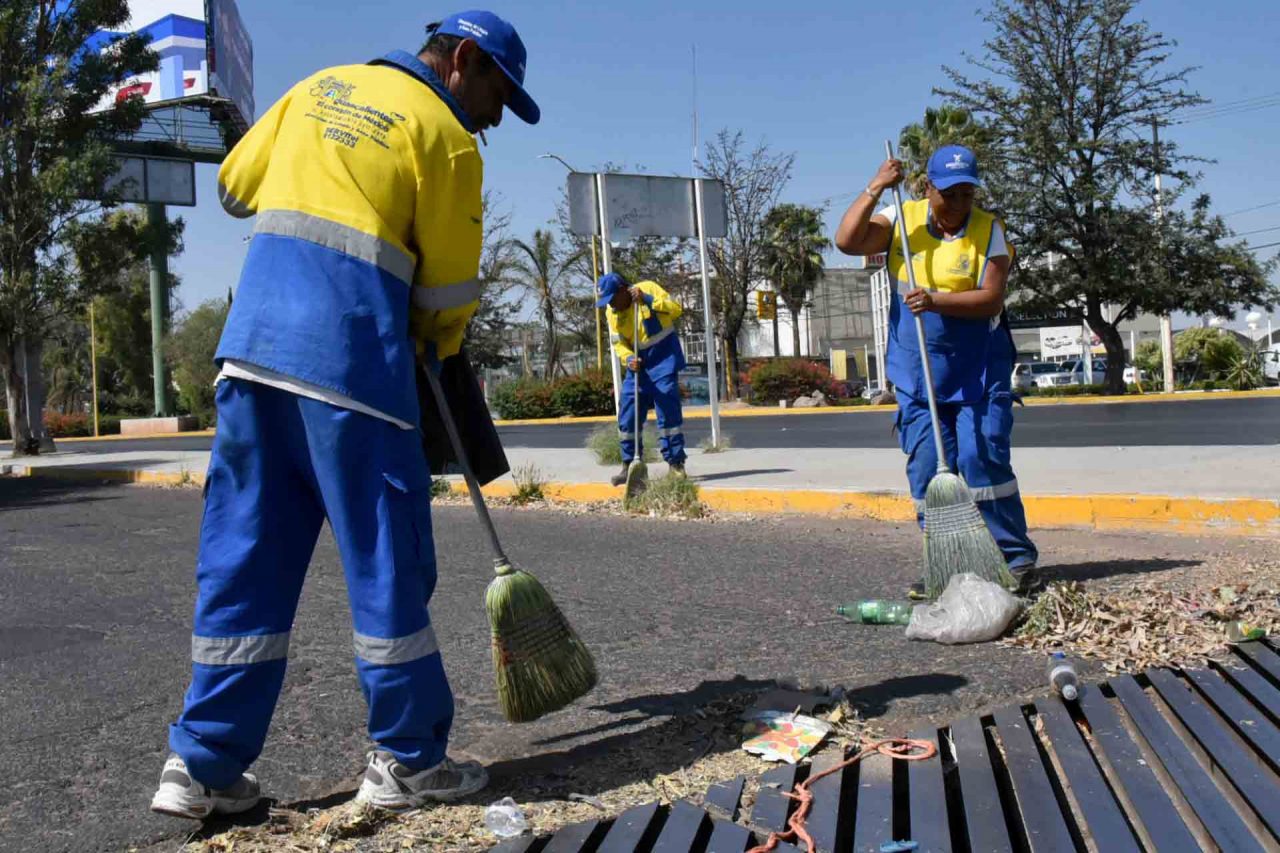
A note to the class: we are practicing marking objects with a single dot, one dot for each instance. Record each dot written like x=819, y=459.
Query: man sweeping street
x=654, y=362
x=366, y=183
x=961, y=261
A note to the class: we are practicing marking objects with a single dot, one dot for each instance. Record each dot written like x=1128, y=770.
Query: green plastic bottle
x=875, y=611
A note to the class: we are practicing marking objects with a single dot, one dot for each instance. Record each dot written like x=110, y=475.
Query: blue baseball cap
x=607, y=286
x=500, y=40
x=951, y=165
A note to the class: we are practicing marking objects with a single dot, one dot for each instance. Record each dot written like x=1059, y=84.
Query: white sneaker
x=181, y=796
x=389, y=784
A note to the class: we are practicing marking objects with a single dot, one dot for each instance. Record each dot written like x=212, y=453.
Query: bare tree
x=753, y=180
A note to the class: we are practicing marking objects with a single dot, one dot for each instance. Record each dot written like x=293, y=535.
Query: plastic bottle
x=874, y=611
x=504, y=818
x=1062, y=676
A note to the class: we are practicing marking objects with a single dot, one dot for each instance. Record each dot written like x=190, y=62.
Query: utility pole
x=159, y=307
x=1166, y=321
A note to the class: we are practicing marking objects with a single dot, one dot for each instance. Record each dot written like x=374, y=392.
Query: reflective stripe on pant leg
x=627, y=419
x=260, y=525
x=376, y=488
x=666, y=397
x=984, y=431
x=915, y=434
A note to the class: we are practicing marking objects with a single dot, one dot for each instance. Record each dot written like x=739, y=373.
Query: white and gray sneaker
x=181, y=796
x=389, y=784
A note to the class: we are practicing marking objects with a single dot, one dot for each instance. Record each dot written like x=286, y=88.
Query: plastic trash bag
x=970, y=610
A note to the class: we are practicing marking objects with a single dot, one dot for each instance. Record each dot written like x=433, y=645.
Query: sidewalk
x=1220, y=489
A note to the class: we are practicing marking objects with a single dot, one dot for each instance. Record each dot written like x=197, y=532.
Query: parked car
x=1027, y=373
x=1071, y=372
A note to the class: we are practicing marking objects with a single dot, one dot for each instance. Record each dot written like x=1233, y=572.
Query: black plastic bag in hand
x=475, y=427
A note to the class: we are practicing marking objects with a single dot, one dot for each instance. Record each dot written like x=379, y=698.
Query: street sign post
x=621, y=208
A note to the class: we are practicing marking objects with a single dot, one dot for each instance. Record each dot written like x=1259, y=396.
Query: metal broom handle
x=635, y=374
x=477, y=499
x=924, y=350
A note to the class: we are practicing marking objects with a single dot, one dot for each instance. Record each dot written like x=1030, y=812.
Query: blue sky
x=826, y=80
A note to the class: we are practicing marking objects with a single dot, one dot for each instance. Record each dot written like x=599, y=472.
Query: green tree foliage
x=1212, y=351
x=54, y=154
x=1070, y=90
x=945, y=125
x=190, y=350
x=542, y=272
x=794, y=258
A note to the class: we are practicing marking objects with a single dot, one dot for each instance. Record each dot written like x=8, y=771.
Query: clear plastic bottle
x=875, y=611
x=1062, y=676
x=504, y=818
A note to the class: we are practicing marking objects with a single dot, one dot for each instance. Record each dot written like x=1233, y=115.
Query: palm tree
x=794, y=258
x=945, y=125
x=538, y=269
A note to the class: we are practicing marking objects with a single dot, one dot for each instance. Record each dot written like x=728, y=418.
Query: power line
x=1257, y=231
x=1210, y=107
x=1263, y=246
x=1251, y=209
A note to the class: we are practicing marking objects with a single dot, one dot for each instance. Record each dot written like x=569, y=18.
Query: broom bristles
x=637, y=480
x=956, y=538
x=540, y=664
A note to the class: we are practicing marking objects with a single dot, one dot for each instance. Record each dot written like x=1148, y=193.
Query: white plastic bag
x=970, y=610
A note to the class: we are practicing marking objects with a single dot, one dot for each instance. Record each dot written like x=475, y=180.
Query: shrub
x=580, y=395
x=59, y=425
x=603, y=444
x=789, y=378
x=523, y=399
x=589, y=393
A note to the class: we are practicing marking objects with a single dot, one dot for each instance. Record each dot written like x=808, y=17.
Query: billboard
x=203, y=48
x=231, y=59
x=645, y=206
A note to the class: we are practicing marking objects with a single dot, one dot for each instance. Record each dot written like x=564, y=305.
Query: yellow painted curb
x=201, y=433
x=117, y=475
x=1145, y=513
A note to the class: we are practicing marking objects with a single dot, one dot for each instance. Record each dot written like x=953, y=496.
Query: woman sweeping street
x=961, y=261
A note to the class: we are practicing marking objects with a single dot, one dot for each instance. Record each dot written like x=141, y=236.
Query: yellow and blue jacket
x=659, y=345
x=966, y=355
x=366, y=181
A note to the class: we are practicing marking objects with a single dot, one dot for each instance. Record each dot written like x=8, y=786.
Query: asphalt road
x=1201, y=423
x=96, y=595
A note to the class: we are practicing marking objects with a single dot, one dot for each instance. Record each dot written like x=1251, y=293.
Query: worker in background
x=366, y=184
x=961, y=261
x=655, y=361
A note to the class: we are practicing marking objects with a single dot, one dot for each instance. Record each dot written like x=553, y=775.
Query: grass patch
x=529, y=484
x=603, y=444
x=726, y=442
x=672, y=495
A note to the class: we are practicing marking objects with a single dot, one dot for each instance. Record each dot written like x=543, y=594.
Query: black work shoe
x=621, y=477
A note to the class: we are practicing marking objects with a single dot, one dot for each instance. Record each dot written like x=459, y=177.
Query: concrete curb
x=1138, y=513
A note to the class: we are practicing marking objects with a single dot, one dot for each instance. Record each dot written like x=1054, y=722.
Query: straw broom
x=539, y=662
x=956, y=538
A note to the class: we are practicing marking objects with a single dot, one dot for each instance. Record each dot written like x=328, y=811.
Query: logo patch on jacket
x=332, y=88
